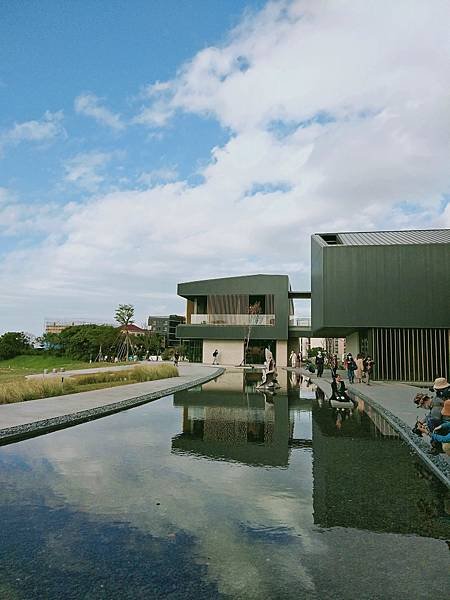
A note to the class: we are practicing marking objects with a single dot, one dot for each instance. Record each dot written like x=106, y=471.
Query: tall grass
x=32, y=389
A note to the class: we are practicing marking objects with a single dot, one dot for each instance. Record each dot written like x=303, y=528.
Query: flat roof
x=381, y=238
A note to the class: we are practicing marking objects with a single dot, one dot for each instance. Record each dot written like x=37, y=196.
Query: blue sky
x=147, y=143
x=52, y=52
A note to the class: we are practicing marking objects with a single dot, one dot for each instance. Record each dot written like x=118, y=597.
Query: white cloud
x=91, y=106
x=163, y=174
x=339, y=119
x=45, y=130
x=85, y=169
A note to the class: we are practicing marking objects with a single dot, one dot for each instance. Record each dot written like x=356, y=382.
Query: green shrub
x=167, y=354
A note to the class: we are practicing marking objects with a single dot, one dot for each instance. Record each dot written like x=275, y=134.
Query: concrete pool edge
x=20, y=432
x=436, y=464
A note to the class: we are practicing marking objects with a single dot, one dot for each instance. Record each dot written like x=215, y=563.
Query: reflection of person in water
x=339, y=415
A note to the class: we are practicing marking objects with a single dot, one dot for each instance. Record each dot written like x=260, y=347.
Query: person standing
x=320, y=362
x=334, y=365
x=350, y=365
x=176, y=358
x=292, y=359
x=368, y=369
x=359, y=368
x=215, y=357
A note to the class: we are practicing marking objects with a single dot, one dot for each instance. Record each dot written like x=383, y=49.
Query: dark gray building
x=166, y=327
x=388, y=293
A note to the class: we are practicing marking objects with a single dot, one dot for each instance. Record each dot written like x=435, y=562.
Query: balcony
x=299, y=321
x=245, y=319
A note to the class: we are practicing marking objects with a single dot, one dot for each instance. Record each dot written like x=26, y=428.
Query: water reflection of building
x=245, y=426
x=234, y=426
x=357, y=469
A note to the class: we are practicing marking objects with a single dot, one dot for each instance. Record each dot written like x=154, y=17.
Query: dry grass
x=20, y=366
x=32, y=389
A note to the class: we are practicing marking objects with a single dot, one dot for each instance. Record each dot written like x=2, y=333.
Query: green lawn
x=18, y=367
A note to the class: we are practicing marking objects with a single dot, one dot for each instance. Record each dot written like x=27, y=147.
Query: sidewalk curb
x=10, y=435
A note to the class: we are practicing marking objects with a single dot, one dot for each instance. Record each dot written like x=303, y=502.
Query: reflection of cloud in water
x=250, y=530
x=109, y=468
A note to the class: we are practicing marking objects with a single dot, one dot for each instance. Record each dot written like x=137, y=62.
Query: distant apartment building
x=166, y=327
x=57, y=325
x=335, y=346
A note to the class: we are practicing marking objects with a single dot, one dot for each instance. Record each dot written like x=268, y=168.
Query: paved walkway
x=395, y=402
x=38, y=416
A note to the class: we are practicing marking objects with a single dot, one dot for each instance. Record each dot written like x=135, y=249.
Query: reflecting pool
x=223, y=492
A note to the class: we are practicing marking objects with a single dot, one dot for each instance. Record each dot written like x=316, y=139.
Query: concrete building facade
x=222, y=313
x=388, y=294
x=385, y=294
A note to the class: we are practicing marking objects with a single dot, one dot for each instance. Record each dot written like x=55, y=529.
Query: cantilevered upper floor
x=224, y=308
x=380, y=279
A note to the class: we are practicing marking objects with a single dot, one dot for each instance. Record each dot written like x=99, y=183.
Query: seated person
x=441, y=435
x=338, y=390
x=434, y=417
x=442, y=388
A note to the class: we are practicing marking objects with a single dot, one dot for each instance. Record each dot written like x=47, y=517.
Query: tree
x=254, y=316
x=83, y=342
x=124, y=316
x=151, y=342
x=14, y=343
x=312, y=352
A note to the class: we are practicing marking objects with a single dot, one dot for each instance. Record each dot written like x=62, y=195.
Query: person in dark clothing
x=368, y=368
x=320, y=363
x=338, y=390
x=351, y=367
x=334, y=363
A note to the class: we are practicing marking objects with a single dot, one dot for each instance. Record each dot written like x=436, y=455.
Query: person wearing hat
x=442, y=388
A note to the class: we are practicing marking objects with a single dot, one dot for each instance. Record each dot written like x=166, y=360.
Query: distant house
x=133, y=329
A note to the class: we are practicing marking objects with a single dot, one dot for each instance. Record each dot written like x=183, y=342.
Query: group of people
x=359, y=370
x=436, y=424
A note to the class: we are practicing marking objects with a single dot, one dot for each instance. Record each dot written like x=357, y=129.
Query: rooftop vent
x=331, y=239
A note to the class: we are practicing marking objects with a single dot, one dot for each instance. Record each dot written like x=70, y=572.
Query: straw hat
x=441, y=383
x=445, y=412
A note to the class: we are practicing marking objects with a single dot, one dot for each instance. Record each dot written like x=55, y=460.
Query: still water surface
x=222, y=492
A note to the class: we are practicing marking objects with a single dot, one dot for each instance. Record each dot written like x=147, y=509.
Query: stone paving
x=395, y=402
x=32, y=417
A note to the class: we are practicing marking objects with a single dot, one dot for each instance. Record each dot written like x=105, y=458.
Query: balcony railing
x=299, y=321
x=244, y=319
